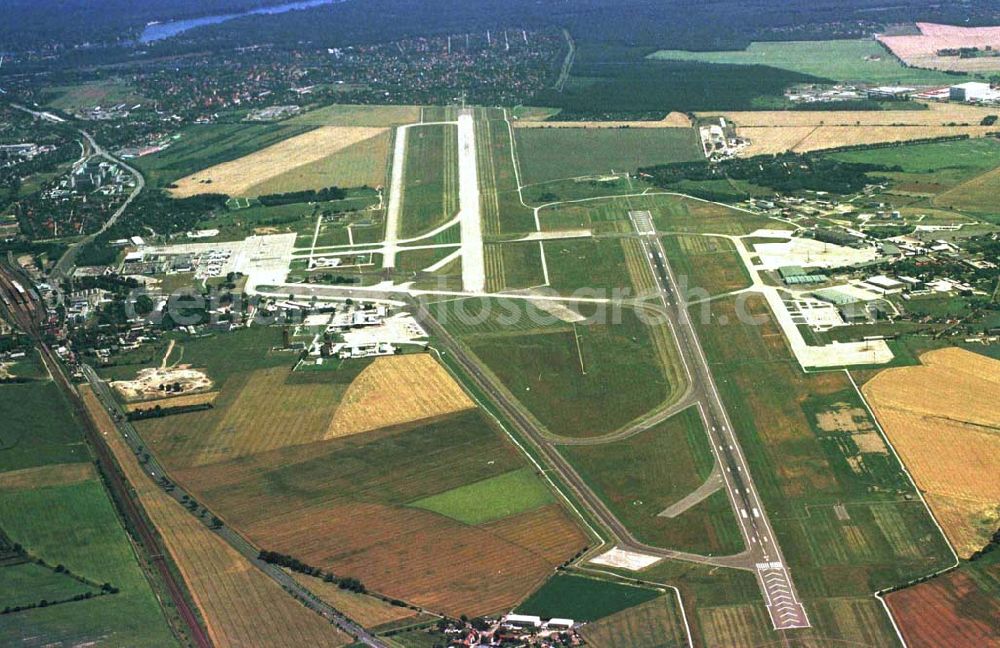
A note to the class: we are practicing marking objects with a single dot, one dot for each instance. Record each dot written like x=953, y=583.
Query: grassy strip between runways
x=490, y=499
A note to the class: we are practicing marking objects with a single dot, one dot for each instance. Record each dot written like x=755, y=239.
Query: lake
x=159, y=31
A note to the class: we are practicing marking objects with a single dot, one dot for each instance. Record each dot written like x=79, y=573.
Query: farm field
x=707, y=265
x=802, y=139
x=859, y=61
x=306, y=501
x=548, y=154
x=395, y=391
x=242, y=176
x=841, y=506
x=239, y=604
x=581, y=598
x=76, y=526
x=641, y=476
x=585, y=380
x=936, y=114
x=29, y=583
x=541, y=119
x=363, y=396
x=362, y=163
x=957, y=609
x=940, y=417
x=47, y=475
x=654, y=624
x=201, y=146
x=921, y=50
x=490, y=499
x=430, y=178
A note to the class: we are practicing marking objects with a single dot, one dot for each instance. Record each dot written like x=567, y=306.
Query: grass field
x=644, y=474
x=502, y=211
x=239, y=604
x=940, y=418
x=30, y=583
x=549, y=154
x=706, y=265
x=585, y=380
x=596, y=266
x=47, y=475
x=862, y=61
x=38, y=427
x=430, y=178
x=583, y=599
x=279, y=165
x=490, y=499
x=976, y=196
x=357, y=115
x=200, y=146
x=76, y=526
x=510, y=266
x=654, y=624
x=671, y=214
x=957, y=609
x=106, y=93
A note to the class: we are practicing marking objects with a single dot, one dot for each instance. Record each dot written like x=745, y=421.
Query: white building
x=974, y=91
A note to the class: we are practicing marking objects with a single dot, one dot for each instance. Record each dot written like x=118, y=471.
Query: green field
x=583, y=380
x=106, y=93
x=430, y=179
x=644, y=474
x=357, y=115
x=490, y=499
x=839, y=60
x=596, y=266
x=583, y=599
x=30, y=583
x=547, y=154
x=513, y=265
x=707, y=265
x=200, y=146
x=38, y=428
x=76, y=526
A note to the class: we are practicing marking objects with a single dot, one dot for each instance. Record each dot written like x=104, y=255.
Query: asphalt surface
x=763, y=553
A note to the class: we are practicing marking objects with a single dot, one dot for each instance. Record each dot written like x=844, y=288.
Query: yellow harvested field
x=185, y=400
x=51, y=475
x=943, y=420
x=672, y=120
x=238, y=177
x=360, y=164
x=397, y=390
x=921, y=50
x=937, y=114
x=358, y=115
x=361, y=608
x=801, y=139
x=240, y=605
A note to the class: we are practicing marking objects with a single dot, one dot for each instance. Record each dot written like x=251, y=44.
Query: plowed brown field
x=951, y=610
x=239, y=604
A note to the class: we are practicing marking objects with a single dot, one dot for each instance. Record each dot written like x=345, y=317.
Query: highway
x=764, y=555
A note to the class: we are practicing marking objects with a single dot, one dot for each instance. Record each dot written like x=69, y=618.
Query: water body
x=160, y=31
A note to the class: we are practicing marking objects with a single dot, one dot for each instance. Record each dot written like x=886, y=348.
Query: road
x=763, y=552
x=64, y=266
